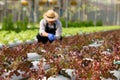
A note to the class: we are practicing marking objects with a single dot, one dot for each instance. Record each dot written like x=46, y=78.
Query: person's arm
x=58, y=30
x=42, y=28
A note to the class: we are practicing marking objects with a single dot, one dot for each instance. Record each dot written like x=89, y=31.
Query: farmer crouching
x=50, y=27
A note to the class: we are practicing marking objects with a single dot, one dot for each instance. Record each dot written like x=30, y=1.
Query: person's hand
x=51, y=37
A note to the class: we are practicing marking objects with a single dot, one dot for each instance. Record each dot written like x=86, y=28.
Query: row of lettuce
x=12, y=37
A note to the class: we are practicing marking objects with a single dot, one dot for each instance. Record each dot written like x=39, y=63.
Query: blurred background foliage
x=79, y=12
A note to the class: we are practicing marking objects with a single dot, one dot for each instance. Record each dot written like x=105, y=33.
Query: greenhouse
x=59, y=40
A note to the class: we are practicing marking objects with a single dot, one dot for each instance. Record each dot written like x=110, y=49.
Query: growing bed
x=93, y=56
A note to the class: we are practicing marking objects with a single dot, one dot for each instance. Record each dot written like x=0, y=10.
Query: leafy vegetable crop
x=73, y=52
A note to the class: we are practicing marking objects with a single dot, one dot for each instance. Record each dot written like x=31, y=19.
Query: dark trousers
x=44, y=40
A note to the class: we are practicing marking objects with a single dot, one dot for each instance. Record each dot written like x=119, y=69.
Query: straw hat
x=50, y=15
